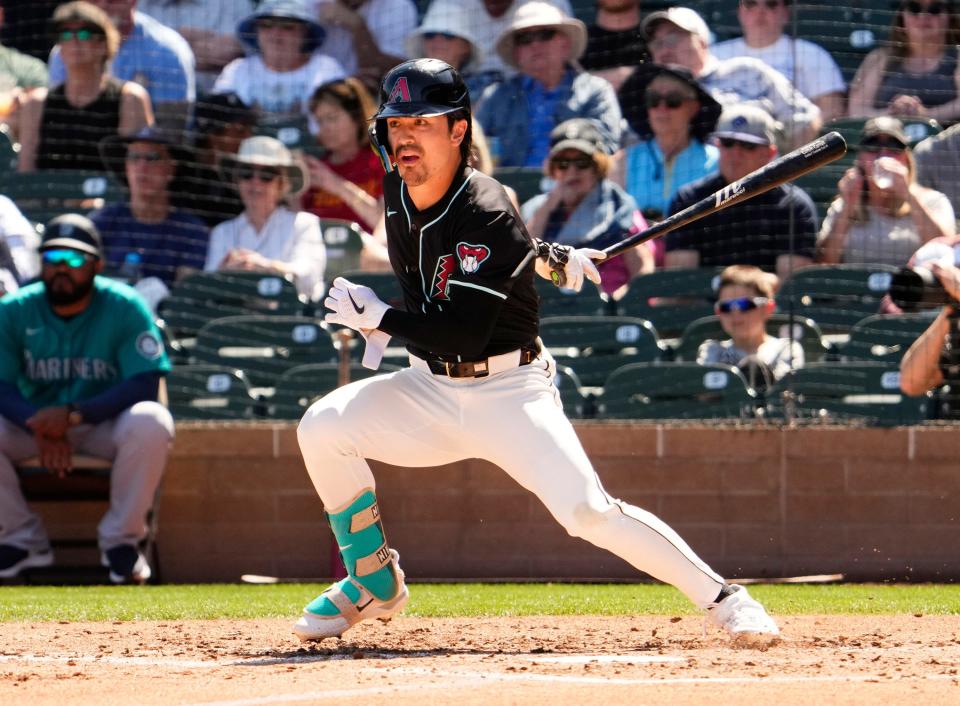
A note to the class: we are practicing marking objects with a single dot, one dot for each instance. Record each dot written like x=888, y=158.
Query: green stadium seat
x=805, y=331
x=343, y=242
x=884, y=337
x=676, y=391
x=595, y=346
x=671, y=299
x=555, y=301
x=43, y=195
x=205, y=296
x=299, y=387
x=264, y=347
x=836, y=296
x=865, y=393
x=576, y=404
x=209, y=392
x=293, y=132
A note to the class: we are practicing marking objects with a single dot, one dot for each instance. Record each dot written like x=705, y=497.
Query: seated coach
x=81, y=362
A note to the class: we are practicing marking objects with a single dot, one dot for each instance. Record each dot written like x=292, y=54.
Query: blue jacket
x=503, y=113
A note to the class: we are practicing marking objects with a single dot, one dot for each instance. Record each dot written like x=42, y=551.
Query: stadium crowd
x=235, y=132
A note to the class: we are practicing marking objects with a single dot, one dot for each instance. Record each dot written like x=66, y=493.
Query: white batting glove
x=353, y=305
x=566, y=266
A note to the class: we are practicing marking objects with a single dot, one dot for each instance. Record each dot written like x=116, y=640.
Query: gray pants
x=137, y=441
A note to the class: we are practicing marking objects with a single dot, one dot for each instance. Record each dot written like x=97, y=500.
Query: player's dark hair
x=467, y=143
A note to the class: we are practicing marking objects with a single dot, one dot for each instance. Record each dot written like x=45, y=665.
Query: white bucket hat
x=266, y=151
x=542, y=14
x=441, y=20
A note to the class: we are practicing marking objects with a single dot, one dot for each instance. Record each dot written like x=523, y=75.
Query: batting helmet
x=421, y=87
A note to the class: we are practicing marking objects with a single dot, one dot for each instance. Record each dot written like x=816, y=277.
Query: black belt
x=476, y=368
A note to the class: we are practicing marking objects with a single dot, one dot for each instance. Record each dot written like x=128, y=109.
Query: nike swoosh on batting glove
x=353, y=305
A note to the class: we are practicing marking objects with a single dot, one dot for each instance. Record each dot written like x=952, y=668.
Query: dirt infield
x=649, y=660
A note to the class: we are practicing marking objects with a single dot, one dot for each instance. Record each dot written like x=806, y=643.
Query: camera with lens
x=917, y=288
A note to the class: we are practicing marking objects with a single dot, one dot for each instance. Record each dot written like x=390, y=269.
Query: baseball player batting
x=479, y=384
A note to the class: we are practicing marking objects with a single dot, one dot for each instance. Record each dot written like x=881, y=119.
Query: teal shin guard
x=360, y=536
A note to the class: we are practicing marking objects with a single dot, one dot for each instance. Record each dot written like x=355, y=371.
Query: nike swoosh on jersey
x=391, y=213
x=359, y=309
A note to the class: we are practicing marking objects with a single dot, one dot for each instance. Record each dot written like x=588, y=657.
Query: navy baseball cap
x=74, y=232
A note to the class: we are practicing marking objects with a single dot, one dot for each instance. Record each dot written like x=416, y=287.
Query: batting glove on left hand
x=566, y=266
x=353, y=305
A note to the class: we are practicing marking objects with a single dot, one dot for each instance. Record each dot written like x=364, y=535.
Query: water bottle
x=130, y=269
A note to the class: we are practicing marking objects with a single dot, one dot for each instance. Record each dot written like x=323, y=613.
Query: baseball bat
x=804, y=159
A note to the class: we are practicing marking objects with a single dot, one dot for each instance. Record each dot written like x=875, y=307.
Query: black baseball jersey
x=465, y=265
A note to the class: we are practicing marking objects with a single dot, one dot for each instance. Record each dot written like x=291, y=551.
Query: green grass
x=184, y=602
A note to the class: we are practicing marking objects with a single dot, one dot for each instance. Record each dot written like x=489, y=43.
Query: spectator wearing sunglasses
x=674, y=117
x=807, y=65
x=543, y=43
x=151, y=54
x=745, y=302
x=449, y=37
x=583, y=208
x=916, y=72
x=61, y=129
x=881, y=214
x=167, y=242
x=269, y=236
x=81, y=361
x=775, y=231
x=679, y=35
x=285, y=63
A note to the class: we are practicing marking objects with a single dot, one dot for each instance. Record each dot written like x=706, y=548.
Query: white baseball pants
x=514, y=419
x=137, y=441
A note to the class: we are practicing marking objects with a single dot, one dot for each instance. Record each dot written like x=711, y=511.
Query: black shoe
x=13, y=560
x=127, y=564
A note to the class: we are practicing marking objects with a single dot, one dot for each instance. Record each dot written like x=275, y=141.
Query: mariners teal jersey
x=55, y=361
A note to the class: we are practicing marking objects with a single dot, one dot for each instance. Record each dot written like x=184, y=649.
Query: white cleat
x=745, y=620
x=312, y=626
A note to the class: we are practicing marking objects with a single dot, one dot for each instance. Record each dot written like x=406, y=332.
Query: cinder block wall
x=870, y=503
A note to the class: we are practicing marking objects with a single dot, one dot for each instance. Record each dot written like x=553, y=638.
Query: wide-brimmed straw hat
x=634, y=89
x=282, y=9
x=440, y=20
x=263, y=151
x=542, y=14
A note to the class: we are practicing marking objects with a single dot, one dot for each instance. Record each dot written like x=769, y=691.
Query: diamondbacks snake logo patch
x=471, y=257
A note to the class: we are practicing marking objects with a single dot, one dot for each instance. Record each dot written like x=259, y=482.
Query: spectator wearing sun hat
x=268, y=236
x=450, y=37
x=543, y=43
x=285, y=63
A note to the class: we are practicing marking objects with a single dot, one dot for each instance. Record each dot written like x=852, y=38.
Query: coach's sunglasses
x=70, y=258
x=265, y=175
x=916, y=8
x=673, y=99
x=725, y=306
x=534, y=35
